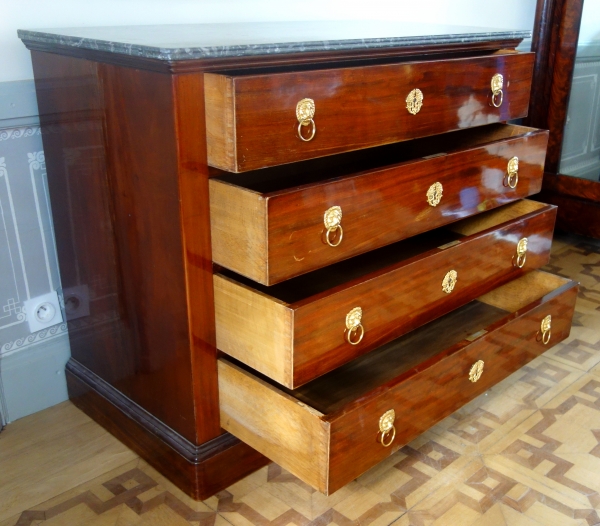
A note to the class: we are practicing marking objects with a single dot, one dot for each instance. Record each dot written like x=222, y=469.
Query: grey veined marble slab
x=192, y=41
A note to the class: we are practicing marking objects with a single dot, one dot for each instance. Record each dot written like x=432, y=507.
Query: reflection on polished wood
x=326, y=432
x=268, y=225
x=252, y=122
x=398, y=287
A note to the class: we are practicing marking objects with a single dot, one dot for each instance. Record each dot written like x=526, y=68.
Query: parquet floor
x=525, y=453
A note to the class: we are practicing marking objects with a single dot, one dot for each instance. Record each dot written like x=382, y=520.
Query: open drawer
x=357, y=305
x=271, y=225
x=259, y=119
x=333, y=429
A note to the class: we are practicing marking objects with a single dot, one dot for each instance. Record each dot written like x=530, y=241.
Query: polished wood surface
x=268, y=225
x=116, y=171
x=555, y=39
x=200, y=471
x=253, y=121
x=555, y=42
x=424, y=373
x=125, y=143
x=398, y=287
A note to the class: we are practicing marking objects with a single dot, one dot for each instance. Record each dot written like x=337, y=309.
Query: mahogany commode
x=256, y=198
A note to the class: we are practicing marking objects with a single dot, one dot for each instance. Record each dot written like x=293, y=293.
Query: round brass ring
x=334, y=229
x=495, y=95
x=546, y=336
x=349, y=332
x=513, y=176
x=521, y=258
x=307, y=123
x=387, y=433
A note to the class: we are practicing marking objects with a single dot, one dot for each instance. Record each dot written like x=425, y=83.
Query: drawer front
x=286, y=236
x=394, y=301
x=252, y=120
x=329, y=450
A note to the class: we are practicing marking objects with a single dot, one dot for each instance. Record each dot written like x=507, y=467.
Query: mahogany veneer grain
x=399, y=287
x=251, y=119
x=268, y=226
x=327, y=432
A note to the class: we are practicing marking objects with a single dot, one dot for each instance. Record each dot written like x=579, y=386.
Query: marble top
x=193, y=41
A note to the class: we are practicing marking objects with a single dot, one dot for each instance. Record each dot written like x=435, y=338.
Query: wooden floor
x=527, y=452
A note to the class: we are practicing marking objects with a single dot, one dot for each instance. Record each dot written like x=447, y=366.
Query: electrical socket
x=43, y=311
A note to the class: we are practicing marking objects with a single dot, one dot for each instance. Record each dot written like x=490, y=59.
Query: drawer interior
x=278, y=178
x=383, y=259
x=422, y=347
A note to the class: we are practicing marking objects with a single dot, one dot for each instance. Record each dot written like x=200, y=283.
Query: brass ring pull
x=497, y=93
x=512, y=173
x=546, y=336
x=333, y=230
x=332, y=219
x=546, y=328
x=349, y=335
x=521, y=253
x=354, y=326
x=476, y=371
x=312, y=133
x=388, y=443
x=387, y=430
x=305, y=111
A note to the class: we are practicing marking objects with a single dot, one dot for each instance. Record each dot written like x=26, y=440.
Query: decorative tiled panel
x=28, y=260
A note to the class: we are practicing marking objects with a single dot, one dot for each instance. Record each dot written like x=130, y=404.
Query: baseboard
x=199, y=470
x=33, y=378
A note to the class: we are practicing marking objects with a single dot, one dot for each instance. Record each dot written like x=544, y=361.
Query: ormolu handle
x=497, y=94
x=354, y=330
x=332, y=219
x=449, y=281
x=414, y=101
x=434, y=194
x=521, y=253
x=476, y=371
x=387, y=431
x=546, y=329
x=305, y=111
x=512, y=173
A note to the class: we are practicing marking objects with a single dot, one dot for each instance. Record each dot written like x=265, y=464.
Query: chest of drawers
x=302, y=247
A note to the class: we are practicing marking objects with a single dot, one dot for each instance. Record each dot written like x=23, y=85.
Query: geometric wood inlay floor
x=525, y=453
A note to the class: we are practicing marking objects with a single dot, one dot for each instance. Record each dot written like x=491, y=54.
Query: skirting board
x=200, y=471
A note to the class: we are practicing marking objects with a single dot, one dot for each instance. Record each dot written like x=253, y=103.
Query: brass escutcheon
x=497, y=94
x=354, y=326
x=476, y=371
x=512, y=173
x=414, y=101
x=332, y=221
x=386, y=425
x=434, y=194
x=521, y=252
x=546, y=328
x=449, y=281
x=305, y=111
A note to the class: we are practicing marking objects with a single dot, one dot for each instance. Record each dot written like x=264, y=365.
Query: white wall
x=590, y=22
x=33, y=14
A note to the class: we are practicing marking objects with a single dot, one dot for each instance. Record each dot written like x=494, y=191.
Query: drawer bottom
x=334, y=428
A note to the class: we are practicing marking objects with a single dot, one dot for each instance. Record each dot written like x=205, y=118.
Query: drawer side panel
x=278, y=426
x=253, y=328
